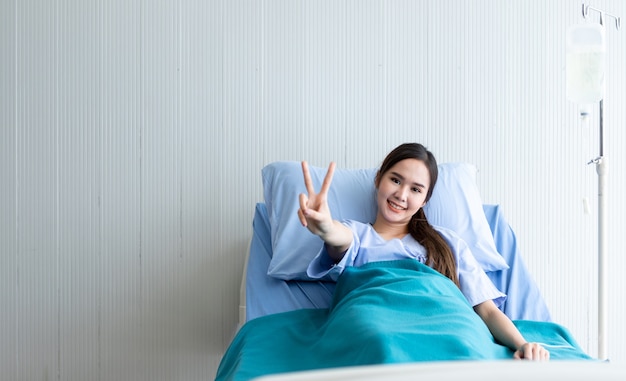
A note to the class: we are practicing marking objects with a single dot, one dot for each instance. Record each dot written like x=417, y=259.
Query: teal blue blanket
x=383, y=312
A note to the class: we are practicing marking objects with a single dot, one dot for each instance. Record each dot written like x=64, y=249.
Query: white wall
x=132, y=134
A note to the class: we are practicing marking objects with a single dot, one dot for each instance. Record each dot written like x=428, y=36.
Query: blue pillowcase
x=455, y=204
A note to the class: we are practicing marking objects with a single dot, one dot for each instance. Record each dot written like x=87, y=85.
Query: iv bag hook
x=587, y=8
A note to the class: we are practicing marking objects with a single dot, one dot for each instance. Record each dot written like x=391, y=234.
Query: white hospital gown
x=367, y=246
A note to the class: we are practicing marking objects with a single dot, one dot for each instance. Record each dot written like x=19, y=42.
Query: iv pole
x=602, y=171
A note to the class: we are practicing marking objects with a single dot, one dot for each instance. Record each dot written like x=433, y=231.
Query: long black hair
x=439, y=254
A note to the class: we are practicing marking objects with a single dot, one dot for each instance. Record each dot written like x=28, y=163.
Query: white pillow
x=455, y=204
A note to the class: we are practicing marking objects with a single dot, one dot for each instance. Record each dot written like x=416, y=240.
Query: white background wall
x=132, y=135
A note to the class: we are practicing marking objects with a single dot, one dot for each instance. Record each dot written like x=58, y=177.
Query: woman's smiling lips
x=395, y=206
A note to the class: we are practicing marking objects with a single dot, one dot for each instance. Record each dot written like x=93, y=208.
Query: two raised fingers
x=318, y=198
x=308, y=183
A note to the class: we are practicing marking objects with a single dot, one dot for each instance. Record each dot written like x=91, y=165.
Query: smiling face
x=402, y=191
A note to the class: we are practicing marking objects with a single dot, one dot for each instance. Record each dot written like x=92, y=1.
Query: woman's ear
x=377, y=179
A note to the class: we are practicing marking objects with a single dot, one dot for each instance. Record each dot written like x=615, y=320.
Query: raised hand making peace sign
x=315, y=214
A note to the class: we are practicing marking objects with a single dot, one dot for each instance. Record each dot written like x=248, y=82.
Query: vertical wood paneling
x=161, y=253
x=324, y=72
x=37, y=294
x=117, y=184
x=133, y=133
x=365, y=81
x=9, y=337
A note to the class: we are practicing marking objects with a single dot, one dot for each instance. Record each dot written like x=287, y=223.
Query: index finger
x=307, y=178
x=328, y=178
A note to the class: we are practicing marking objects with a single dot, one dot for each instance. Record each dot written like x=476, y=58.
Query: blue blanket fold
x=383, y=312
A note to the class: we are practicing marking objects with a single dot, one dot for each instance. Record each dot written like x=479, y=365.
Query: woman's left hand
x=532, y=351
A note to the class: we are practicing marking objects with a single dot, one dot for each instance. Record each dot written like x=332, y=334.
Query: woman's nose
x=401, y=193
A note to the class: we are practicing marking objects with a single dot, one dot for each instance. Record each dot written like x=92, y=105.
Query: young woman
x=404, y=184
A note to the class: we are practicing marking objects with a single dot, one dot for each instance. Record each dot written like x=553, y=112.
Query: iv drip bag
x=584, y=67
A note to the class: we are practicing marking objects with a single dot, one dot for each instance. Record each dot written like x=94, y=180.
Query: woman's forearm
x=500, y=326
x=338, y=240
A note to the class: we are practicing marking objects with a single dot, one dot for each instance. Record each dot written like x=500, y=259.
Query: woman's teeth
x=395, y=206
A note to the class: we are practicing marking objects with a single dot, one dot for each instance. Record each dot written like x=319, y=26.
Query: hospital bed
x=293, y=327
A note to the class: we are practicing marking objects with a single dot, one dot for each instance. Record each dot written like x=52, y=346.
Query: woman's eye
x=417, y=190
x=395, y=181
